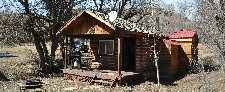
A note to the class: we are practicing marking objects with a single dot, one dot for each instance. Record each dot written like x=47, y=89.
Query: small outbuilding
x=189, y=43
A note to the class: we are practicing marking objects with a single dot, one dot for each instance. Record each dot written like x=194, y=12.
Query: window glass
x=110, y=48
x=106, y=47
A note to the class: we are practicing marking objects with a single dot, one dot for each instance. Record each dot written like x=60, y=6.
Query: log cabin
x=124, y=47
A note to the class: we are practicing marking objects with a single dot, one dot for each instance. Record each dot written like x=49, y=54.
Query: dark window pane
x=102, y=47
x=106, y=47
x=110, y=47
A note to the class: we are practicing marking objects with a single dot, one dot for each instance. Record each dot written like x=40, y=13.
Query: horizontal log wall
x=171, y=58
x=189, y=51
x=165, y=59
x=190, y=48
x=145, y=56
x=109, y=62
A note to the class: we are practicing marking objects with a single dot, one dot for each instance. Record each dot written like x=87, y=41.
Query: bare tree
x=210, y=19
x=172, y=19
x=43, y=25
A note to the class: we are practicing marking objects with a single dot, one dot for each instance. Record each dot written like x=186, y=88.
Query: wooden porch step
x=105, y=82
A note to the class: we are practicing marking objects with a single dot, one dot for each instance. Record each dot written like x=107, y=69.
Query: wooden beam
x=182, y=39
x=119, y=61
x=65, y=63
x=141, y=44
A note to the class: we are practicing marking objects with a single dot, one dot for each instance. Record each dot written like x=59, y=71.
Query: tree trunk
x=38, y=41
x=221, y=27
x=39, y=50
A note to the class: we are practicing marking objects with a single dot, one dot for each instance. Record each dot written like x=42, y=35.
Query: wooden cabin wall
x=187, y=47
x=109, y=62
x=180, y=61
x=145, y=56
x=165, y=59
x=190, y=47
x=173, y=61
x=184, y=66
x=188, y=52
x=169, y=65
x=88, y=25
x=169, y=61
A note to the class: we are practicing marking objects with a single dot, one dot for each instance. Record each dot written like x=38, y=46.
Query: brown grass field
x=19, y=68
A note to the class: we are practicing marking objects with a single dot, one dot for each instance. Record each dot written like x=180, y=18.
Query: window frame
x=105, y=53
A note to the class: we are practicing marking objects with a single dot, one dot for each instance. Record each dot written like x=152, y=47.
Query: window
x=106, y=47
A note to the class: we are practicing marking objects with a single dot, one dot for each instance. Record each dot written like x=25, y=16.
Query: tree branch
x=25, y=3
x=96, y=5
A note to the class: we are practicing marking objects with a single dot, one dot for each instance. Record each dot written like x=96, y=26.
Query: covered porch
x=104, y=67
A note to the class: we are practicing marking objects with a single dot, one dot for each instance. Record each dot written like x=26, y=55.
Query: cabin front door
x=128, y=61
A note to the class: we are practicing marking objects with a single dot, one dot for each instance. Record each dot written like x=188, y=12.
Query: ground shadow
x=3, y=77
x=211, y=67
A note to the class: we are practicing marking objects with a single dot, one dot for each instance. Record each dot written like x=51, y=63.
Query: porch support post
x=65, y=61
x=119, y=60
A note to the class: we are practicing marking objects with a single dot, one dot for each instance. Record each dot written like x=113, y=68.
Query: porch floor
x=103, y=77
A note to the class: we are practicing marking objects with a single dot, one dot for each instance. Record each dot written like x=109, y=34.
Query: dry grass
x=23, y=66
x=208, y=54
x=59, y=85
x=19, y=67
x=209, y=82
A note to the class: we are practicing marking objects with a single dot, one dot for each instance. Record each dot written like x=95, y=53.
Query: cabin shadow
x=211, y=67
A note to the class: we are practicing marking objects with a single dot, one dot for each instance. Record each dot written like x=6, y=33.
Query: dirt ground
x=19, y=68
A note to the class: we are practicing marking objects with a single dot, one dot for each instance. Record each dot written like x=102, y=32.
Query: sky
x=174, y=2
